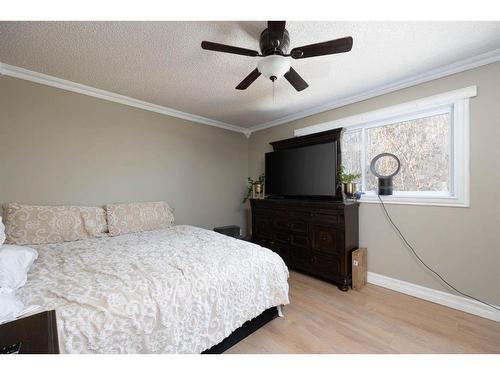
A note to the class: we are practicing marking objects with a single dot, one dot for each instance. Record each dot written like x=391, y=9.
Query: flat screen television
x=308, y=171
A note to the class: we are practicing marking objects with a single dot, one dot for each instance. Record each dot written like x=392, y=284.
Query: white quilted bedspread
x=178, y=290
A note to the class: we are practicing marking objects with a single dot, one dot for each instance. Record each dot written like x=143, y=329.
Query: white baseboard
x=447, y=299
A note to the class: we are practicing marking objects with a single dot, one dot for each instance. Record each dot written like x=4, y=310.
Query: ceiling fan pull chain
x=273, y=90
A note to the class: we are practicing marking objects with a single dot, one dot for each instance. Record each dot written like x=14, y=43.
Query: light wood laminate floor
x=322, y=319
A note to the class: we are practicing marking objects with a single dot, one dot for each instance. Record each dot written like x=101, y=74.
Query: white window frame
x=457, y=103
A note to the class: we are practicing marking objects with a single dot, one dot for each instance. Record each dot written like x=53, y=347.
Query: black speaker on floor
x=230, y=230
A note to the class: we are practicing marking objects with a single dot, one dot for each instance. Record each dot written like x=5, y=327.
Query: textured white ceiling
x=163, y=63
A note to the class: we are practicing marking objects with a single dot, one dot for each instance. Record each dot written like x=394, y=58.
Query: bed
x=178, y=290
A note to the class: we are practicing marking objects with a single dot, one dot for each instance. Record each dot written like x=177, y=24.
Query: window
x=429, y=136
x=422, y=144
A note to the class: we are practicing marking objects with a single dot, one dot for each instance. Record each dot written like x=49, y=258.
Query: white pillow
x=2, y=232
x=10, y=306
x=15, y=262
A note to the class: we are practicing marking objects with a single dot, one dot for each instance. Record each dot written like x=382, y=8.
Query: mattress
x=177, y=290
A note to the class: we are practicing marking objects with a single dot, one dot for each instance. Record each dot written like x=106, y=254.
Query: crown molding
x=443, y=71
x=457, y=67
x=44, y=79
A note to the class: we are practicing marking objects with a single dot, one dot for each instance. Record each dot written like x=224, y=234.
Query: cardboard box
x=359, y=268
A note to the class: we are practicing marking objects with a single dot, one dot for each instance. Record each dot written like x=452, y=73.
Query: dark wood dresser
x=315, y=237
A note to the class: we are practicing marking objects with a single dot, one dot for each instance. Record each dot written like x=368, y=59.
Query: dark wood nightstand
x=36, y=333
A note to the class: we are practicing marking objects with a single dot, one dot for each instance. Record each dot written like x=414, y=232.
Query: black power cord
x=425, y=265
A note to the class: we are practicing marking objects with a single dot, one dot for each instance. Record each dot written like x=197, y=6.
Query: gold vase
x=350, y=188
x=258, y=190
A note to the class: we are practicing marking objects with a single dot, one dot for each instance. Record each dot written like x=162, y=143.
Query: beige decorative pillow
x=2, y=232
x=138, y=217
x=31, y=225
x=94, y=221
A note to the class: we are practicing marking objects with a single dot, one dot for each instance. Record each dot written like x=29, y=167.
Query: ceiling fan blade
x=248, y=80
x=325, y=48
x=276, y=30
x=296, y=80
x=228, y=49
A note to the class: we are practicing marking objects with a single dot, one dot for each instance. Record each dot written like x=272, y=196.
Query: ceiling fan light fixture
x=274, y=66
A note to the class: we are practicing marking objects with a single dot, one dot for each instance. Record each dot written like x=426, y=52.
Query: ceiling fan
x=275, y=63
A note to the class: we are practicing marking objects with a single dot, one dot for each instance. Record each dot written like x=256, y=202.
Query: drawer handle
x=323, y=237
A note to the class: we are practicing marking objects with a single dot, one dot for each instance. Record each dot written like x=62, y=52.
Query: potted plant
x=255, y=187
x=349, y=187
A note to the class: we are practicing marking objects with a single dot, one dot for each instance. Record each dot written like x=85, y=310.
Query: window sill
x=416, y=201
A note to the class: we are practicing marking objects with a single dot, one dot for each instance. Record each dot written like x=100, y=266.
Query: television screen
x=304, y=171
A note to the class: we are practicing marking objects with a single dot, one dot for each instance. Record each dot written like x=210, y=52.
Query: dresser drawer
x=325, y=266
x=263, y=227
x=324, y=239
x=261, y=204
x=263, y=212
x=281, y=222
x=298, y=226
x=288, y=223
x=301, y=258
x=322, y=219
x=282, y=237
x=320, y=264
x=299, y=240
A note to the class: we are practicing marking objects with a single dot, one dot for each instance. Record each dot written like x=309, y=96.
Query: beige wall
x=461, y=243
x=58, y=147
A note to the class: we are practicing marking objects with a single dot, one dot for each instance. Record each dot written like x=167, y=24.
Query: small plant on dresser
x=255, y=187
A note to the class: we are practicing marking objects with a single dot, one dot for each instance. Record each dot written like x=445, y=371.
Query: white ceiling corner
x=160, y=66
